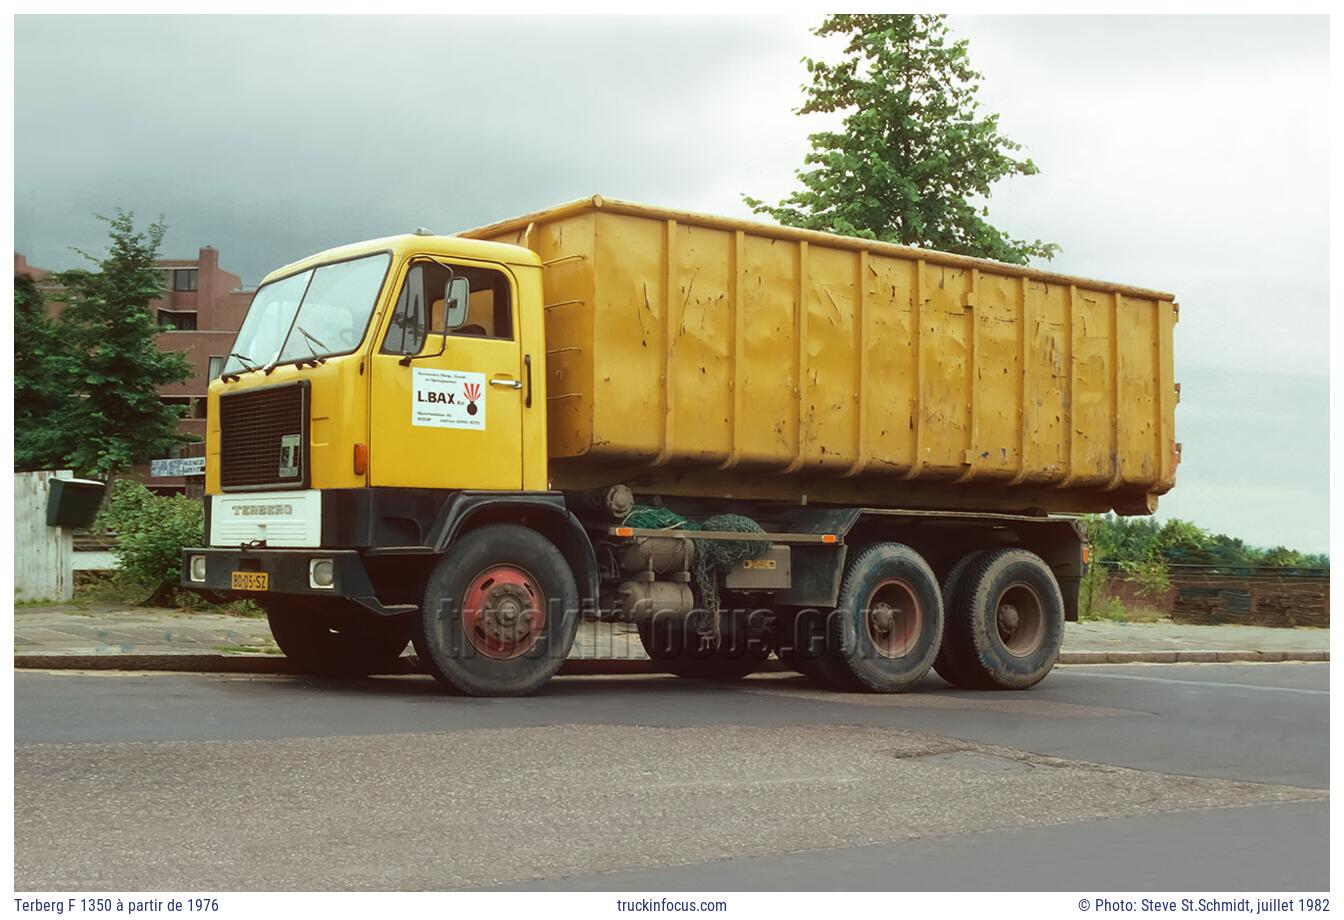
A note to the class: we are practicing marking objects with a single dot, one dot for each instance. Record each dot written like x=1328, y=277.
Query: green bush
x=1150, y=576
x=150, y=531
x=1092, y=591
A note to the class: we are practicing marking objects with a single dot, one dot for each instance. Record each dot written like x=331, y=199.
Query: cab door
x=446, y=401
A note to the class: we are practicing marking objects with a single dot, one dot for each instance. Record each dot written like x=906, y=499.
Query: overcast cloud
x=1186, y=154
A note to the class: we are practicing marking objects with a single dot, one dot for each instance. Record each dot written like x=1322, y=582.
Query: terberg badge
x=289, y=456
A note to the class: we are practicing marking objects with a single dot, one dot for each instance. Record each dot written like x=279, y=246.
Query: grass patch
x=35, y=602
x=1113, y=610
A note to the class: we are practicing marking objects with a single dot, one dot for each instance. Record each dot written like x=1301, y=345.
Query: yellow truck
x=865, y=459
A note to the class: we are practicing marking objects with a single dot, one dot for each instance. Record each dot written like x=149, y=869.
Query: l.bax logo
x=473, y=392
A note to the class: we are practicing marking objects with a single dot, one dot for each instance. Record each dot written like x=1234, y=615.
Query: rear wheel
x=887, y=626
x=333, y=642
x=500, y=613
x=1005, y=621
x=740, y=650
x=946, y=664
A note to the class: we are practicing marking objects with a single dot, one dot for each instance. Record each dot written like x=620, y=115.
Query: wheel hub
x=1020, y=620
x=502, y=612
x=894, y=618
x=884, y=619
x=505, y=615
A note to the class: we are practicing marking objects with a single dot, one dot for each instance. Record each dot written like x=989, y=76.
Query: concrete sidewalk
x=111, y=636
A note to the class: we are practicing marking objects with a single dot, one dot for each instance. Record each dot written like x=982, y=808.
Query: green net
x=712, y=557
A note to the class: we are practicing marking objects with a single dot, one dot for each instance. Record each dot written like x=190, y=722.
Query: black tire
x=515, y=628
x=799, y=639
x=335, y=642
x=1005, y=622
x=947, y=666
x=886, y=628
x=675, y=645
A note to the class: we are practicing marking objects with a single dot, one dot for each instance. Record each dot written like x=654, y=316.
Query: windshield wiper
x=238, y=375
x=311, y=340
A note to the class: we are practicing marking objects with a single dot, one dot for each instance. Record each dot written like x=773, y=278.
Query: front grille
x=263, y=438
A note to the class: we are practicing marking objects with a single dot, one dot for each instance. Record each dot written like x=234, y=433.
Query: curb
x=575, y=667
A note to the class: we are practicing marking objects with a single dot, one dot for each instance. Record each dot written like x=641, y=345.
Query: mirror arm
x=406, y=360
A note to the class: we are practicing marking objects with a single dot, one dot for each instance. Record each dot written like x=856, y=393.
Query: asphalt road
x=1143, y=778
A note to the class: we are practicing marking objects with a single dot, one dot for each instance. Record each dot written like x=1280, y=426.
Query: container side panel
x=769, y=350
x=1047, y=379
x=1138, y=345
x=630, y=338
x=566, y=250
x=890, y=409
x=1093, y=409
x=946, y=344
x=701, y=328
x=830, y=428
x=1166, y=440
x=997, y=371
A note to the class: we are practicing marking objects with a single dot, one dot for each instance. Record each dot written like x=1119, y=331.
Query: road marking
x=1206, y=683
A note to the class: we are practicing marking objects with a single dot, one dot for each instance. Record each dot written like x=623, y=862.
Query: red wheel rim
x=894, y=618
x=503, y=612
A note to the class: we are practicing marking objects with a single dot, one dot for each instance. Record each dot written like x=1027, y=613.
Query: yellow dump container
x=695, y=355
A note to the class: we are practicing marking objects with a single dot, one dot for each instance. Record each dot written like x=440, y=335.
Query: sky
x=1187, y=154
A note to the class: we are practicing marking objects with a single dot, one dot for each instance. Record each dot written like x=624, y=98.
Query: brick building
x=200, y=312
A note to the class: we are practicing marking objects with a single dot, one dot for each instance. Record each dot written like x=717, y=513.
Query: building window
x=180, y=322
x=216, y=366
x=184, y=279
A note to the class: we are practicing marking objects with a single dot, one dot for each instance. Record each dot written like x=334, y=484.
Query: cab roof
x=411, y=243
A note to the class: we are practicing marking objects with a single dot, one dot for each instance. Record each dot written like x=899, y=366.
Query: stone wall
x=1209, y=597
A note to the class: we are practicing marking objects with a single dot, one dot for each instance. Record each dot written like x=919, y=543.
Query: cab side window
x=421, y=308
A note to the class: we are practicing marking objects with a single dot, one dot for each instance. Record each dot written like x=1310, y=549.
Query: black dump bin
x=73, y=502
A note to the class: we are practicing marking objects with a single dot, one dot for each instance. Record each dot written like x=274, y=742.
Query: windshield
x=315, y=314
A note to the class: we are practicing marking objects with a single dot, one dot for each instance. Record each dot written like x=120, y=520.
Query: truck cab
x=377, y=395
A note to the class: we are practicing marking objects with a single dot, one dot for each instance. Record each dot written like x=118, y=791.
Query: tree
x=917, y=157
x=43, y=362
x=113, y=417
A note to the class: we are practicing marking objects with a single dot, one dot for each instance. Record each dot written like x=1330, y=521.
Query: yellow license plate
x=250, y=581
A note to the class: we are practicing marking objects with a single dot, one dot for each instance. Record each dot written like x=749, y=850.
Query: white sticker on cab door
x=447, y=399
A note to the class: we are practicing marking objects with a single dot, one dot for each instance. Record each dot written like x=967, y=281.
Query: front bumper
x=288, y=571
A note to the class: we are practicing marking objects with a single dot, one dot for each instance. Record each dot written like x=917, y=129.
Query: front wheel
x=500, y=613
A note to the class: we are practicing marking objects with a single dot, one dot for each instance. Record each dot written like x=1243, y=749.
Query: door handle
x=506, y=382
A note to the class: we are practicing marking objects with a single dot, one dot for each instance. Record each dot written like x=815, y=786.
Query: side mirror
x=456, y=296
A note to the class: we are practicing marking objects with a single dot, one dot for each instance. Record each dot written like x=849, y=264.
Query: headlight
x=198, y=568
x=321, y=573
